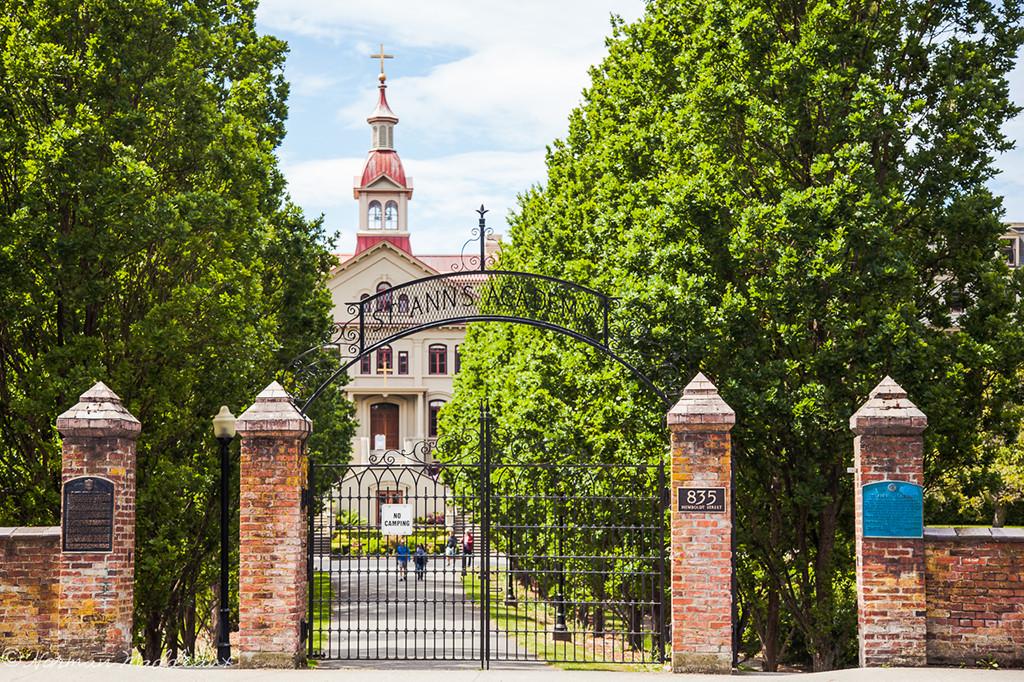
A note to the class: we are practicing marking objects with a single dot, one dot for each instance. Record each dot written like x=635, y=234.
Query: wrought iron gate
x=567, y=564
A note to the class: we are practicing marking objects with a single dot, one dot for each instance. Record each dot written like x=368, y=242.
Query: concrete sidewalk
x=88, y=672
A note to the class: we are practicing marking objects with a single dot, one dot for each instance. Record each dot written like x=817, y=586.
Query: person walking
x=451, y=548
x=402, y=555
x=421, y=562
x=467, y=551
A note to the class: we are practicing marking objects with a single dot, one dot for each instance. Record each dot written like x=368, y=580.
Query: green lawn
x=531, y=626
x=320, y=618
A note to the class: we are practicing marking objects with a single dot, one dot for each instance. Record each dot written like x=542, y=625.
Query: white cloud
x=325, y=183
x=500, y=77
x=492, y=98
x=310, y=84
x=564, y=25
x=447, y=192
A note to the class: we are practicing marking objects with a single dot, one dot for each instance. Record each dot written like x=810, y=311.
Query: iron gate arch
x=483, y=295
x=561, y=541
x=638, y=626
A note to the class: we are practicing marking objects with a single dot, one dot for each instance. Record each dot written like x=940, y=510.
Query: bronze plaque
x=87, y=515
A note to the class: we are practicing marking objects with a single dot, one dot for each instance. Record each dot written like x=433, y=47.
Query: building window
x=438, y=359
x=1008, y=255
x=391, y=216
x=956, y=302
x=434, y=410
x=458, y=360
x=384, y=362
x=403, y=362
x=384, y=426
x=373, y=215
x=364, y=365
x=403, y=303
x=384, y=302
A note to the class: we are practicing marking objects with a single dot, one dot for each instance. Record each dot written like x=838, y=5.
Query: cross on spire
x=382, y=57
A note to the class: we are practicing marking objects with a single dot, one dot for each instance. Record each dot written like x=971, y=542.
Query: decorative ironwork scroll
x=478, y=294
x=460, y=297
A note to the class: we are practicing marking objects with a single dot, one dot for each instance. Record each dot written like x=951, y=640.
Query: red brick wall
x=701, y=561
x=975, y=593
x=890, y=571
x=272, y=571
x=29, y=577
x=94, y=609
x=97, y=588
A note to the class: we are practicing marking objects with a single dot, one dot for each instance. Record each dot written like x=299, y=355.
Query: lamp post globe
x=224, y=430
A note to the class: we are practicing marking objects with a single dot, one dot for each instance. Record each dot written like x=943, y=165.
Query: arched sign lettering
x=461, y=297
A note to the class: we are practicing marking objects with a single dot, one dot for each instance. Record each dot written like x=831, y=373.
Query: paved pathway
x=378, y=618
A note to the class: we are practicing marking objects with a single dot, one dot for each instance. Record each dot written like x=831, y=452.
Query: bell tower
x=383, y=190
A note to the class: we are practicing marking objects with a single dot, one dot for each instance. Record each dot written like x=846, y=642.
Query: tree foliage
x=789, y=196
x=145, y=241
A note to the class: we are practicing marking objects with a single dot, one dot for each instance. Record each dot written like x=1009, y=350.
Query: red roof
x=442, y=264
x=383, y=162
x=363, y=242
x=383, y=111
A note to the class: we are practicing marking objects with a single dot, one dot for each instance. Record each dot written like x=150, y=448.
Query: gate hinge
x=304, y=498
x=303, y=630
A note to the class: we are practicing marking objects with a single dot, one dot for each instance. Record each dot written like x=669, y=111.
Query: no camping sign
x=396, y=519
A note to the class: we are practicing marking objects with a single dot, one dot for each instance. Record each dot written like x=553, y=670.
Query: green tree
x=991, y=489
x=787, y=195
x=146, y=241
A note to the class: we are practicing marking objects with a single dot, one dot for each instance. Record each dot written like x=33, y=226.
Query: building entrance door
x=384, y=426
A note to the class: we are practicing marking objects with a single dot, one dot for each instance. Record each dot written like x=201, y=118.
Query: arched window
x=438, y=363
x=384, y=426
x=403, y=303
x=434, y=410
x=391, y=216
x=374, y=215
x=384, y=363
x=384, y=302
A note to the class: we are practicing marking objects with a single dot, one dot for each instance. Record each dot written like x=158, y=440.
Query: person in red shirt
x=467, y=551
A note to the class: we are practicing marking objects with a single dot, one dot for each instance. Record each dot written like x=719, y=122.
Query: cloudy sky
x=480, y=89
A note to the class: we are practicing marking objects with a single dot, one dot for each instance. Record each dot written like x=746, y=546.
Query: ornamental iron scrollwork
x=478, y=294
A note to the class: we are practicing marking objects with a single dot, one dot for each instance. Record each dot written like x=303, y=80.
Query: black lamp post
x=224, y=430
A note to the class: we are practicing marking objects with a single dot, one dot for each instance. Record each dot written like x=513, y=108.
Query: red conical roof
x=383, y=111
x=383, y=162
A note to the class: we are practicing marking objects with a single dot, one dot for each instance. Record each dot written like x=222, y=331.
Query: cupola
x=383, y=190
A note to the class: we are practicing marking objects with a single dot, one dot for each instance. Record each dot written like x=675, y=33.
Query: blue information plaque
x=892, y=509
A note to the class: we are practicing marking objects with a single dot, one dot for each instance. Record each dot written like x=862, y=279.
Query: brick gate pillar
x=272, y=523
x=888, y=466
x=701, y=530
x=97, y=560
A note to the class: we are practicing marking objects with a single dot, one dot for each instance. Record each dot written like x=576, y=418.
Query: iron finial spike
x=483, y=238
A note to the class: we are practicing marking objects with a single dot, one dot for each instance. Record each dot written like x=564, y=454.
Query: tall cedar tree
x=146, y=241
x=789, y=196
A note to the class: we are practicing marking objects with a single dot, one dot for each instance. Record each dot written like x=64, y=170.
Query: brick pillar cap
x=700, y=404
x=888, y=411
x=98, y=414
x=273, y=412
